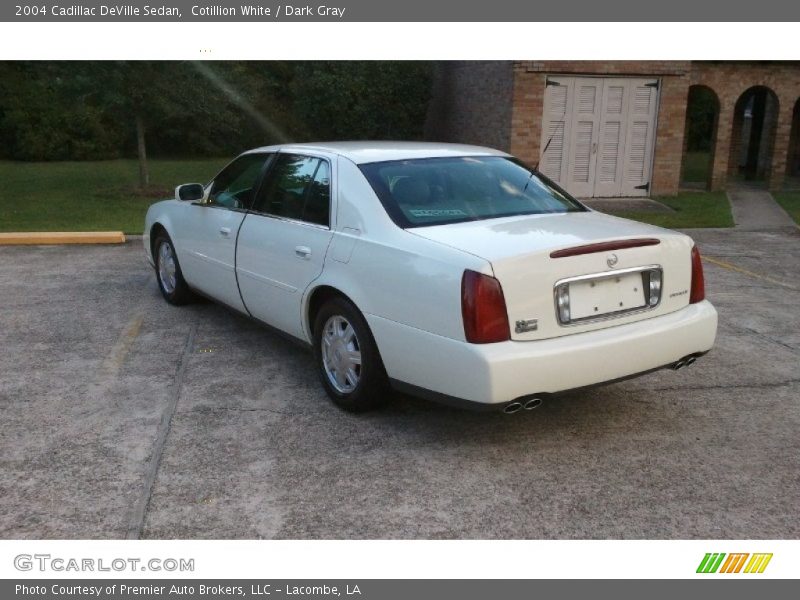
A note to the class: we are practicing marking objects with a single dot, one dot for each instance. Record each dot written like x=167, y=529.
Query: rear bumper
x=452, y=371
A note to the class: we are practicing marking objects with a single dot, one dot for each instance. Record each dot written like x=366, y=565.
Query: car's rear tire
x=168, y=272
x=347, y=357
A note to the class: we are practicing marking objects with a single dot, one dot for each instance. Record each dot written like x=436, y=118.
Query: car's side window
x=233, y=187
x=297, y=187
x=318, y=198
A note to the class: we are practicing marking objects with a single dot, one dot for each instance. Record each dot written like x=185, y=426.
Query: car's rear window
x=438, y=191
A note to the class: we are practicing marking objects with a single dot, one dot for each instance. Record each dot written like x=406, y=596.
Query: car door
x=284, y=238
x=208, y=230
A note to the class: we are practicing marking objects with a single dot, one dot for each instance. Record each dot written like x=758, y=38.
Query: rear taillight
x=698, y=291
x=484, y=309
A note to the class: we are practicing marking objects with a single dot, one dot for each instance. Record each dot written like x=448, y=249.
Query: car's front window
x=233, y=186
x=438, y=191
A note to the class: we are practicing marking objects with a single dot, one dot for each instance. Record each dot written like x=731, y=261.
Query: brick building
x=619, y=128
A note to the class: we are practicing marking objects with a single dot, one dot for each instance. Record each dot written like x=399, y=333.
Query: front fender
x=159, y=213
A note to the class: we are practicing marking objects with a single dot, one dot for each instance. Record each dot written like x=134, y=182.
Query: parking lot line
x=139, y=510
x=730, y=267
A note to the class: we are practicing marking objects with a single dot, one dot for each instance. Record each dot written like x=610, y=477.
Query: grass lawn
x=692, y=209
x=103, y=196
x=790, y=201
x=90, y=196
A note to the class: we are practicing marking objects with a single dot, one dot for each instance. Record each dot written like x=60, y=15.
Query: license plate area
x=608, y=295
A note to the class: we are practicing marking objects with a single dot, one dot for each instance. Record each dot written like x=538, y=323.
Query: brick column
x=722, y=148
x=666, y=176
x=780, y=149
x=526, y=115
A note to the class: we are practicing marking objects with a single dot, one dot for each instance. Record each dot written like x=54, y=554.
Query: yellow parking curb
x=37, y=238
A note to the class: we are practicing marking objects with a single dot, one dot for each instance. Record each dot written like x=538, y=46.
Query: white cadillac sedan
x=450, y=272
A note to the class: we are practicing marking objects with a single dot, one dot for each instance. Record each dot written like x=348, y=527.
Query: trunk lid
x=606, y=286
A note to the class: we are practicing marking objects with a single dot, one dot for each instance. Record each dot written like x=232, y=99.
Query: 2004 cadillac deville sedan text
x=446, y=271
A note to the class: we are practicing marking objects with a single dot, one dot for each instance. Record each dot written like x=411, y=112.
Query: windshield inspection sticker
x=442, y=212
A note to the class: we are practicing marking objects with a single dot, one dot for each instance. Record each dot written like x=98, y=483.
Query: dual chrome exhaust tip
x=684, y=362
x=526, y=404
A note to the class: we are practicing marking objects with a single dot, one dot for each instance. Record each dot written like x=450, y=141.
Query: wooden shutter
x=611, y=141
x=640, y=138
x=583, y=136
x=555, y=128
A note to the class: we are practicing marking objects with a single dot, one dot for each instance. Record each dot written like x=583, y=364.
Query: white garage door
x=598, y=134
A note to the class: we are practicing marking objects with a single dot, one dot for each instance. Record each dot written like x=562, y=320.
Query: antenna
x=546, y=146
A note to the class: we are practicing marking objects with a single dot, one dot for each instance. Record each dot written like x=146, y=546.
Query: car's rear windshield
x=439, y=191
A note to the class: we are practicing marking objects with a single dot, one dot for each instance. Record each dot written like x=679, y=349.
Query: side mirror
x=190, y=191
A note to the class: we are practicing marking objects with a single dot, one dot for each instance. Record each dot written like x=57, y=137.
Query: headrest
x=411, y=190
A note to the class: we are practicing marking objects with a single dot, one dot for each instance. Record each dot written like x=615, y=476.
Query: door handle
x=302, y=252
x=594, y=148
x=226, y=231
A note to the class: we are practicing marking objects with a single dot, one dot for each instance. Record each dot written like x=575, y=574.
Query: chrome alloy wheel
x=167, y=267
x=341, y=354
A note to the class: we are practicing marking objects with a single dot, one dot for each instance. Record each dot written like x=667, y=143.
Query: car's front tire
x=168, y=272
x=347, y=357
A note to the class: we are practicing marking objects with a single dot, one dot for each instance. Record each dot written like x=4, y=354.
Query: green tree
x=47, y=112
x=92, y=110
x=362, y=100
x=143, y=94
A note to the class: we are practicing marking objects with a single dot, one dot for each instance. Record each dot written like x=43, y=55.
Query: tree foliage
x=367, y=100
x=48, y=112
x=88, y=110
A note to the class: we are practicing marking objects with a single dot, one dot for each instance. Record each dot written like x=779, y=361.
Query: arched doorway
x=793, y=163
x=755, y=121
x=702, y=115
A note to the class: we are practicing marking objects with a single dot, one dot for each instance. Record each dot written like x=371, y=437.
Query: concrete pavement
x=755, y=209
x=124, y=416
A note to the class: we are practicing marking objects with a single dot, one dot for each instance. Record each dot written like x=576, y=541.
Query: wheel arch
x=156, y=229
x=317, y=298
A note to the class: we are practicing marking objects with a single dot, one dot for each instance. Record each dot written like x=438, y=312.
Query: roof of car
x=367, y=152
